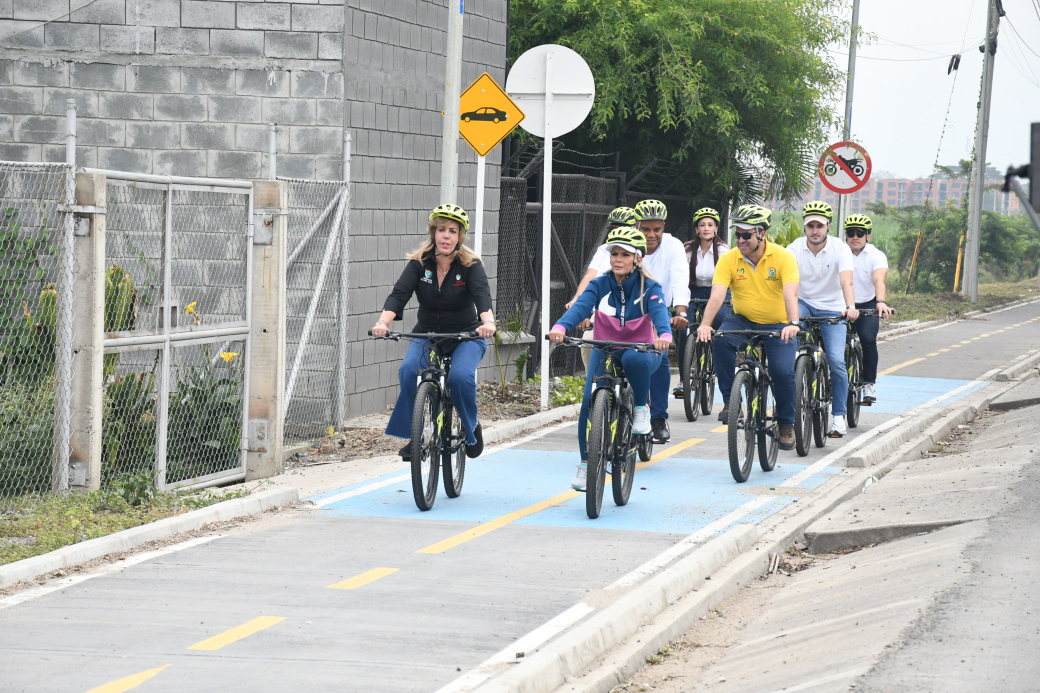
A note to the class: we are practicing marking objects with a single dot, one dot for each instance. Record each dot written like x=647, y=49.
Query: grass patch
x=36, y=524
x=937, y=306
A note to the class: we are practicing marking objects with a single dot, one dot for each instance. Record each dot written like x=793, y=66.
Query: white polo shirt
x=863, y=266
x=820, y=284
x=668, y=264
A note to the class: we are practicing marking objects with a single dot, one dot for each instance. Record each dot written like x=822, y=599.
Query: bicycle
x=812, y=385
x=752, y=408
x=854, y=364
x=697, y=368
x=610, y=436
x=431, y=445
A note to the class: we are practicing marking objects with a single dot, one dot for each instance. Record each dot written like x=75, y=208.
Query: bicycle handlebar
x=835, y=320
x=872, y=311
x=396, y=336
x=748, y=333
x=576, y=341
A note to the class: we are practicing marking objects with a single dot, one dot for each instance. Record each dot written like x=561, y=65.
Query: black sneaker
x=724, y=414
x=406, y=452
x=659, y=427
x=677, y=393
x=477, y=447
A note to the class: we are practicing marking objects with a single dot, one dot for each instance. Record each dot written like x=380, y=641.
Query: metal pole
x=452, y=92
x=63, y=359
x=970, y=287
x=546, y=226
x=849, y=88
x=1024, y=200
x=478, y=217
x=344, y=287
x=272, y=151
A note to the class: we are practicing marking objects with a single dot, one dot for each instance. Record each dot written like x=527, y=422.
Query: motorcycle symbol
x=854, y=164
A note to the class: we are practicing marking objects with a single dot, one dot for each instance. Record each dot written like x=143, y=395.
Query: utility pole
x=452, y=92
x=970, y=285
x=849, y=88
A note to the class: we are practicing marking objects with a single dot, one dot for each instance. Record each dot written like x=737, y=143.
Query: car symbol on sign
x=486, y=113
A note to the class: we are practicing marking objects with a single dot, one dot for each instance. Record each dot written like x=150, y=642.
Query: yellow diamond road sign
x=487, y=114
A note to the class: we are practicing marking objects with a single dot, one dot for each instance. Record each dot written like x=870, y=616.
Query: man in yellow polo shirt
x=764, y=280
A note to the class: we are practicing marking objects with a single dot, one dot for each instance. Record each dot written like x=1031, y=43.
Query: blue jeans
x=660, y=389
x=867, y=329
x=462, y=383
x=781, y=363
x=702, y=292
x=638, y=368
x=834, y=346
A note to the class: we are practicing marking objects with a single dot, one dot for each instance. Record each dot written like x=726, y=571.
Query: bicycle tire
x=855, y=365
x=822, y=409
x=769, y=431
x=707, y=379
x=803, y=404
x=598, y=447
x=454, y=472
x=645, y=447
x=623, y=468
x=425, y=445
x=690, y=378
x=741, y=425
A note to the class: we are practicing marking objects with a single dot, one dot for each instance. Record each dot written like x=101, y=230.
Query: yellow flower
x=190, y=308
x=332, y=431
x=228, y=355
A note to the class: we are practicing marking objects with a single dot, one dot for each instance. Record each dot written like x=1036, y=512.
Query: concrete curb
x=510, y=429
x=883, y=335
x=829, y=542
x=1017, y=369
x=579, y=647
x=68, y=556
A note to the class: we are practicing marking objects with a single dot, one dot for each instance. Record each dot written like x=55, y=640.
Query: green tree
x=740, y=90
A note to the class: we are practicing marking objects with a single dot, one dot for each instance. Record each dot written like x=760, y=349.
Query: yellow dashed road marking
x=363, y=579
x=239, y=632
x=128, y=682
x=895, y=368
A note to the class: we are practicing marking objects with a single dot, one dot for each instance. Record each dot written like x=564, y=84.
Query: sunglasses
x=855, y=233
x=744, y=236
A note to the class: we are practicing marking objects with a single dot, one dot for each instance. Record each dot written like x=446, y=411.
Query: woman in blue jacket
x=626, y=299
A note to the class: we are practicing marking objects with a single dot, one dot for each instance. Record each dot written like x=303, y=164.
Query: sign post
x=556, y=87
x=844, y=168
x=486, y=116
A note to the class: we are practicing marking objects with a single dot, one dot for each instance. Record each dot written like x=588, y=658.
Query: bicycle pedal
x=835, y=434
x=866, y=404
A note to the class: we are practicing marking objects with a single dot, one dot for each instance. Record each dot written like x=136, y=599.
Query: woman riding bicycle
x=630, y=307
x=703, y=253
x=452, y=288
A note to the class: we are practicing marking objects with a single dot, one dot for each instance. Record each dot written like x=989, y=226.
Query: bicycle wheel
x=454, y=466
x=645, y=447
x=768, y=430
x=743, y=401
x=803, y=404
x=599, y=448
x=854, y=361
x=822, y=405
x=707, y=365
x=690, y=377
x=426, y=445
x=623, y=468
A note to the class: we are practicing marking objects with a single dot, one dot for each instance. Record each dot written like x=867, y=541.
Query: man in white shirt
x=666, y=260
x=825, y=266
x=869, y=269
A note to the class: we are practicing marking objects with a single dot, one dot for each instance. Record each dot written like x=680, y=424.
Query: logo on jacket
x=428, y=278
x=772, y=273
x=458, y=277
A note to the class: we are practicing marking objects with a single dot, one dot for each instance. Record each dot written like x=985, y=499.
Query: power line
x=1020, y=36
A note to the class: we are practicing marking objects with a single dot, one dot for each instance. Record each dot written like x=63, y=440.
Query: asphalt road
x=366, y=593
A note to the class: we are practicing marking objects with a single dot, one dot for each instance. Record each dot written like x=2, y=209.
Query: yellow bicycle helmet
x=622, y=216
x=858, y=221
x=818, y=207
x=706, y=213
x=453, y=212
x=647, y=210
x=627, y=236
x=756, y=215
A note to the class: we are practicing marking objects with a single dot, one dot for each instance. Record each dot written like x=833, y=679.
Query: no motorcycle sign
x=845, y=167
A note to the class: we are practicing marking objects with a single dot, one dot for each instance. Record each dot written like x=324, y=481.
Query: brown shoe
x=787, y=437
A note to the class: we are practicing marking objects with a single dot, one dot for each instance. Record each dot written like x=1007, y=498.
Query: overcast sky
x=901, y=92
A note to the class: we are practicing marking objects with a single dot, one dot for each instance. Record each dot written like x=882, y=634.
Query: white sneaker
x=868, y=393
x=641, y=422
x=838, y=427
x=580, y=477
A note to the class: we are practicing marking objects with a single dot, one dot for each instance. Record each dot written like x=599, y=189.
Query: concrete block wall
x=187, y=87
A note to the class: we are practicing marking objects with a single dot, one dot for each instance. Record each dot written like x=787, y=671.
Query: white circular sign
x=573, y=89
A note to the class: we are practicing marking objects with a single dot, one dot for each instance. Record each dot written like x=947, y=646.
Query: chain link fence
x=316, y=309
x=35, y=327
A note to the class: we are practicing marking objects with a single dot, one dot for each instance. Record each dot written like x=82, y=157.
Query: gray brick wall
x=187, y=87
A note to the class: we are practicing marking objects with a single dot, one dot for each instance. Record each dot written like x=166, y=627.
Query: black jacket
x=455, y=306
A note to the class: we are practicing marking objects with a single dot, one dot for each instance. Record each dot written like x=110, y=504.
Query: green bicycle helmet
x=858, y=221
x=647, y=210
x=817, y=207
x=706, y=213
x=627, y=236
x=756, y=215
x=453, y=212
x=622, y=216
